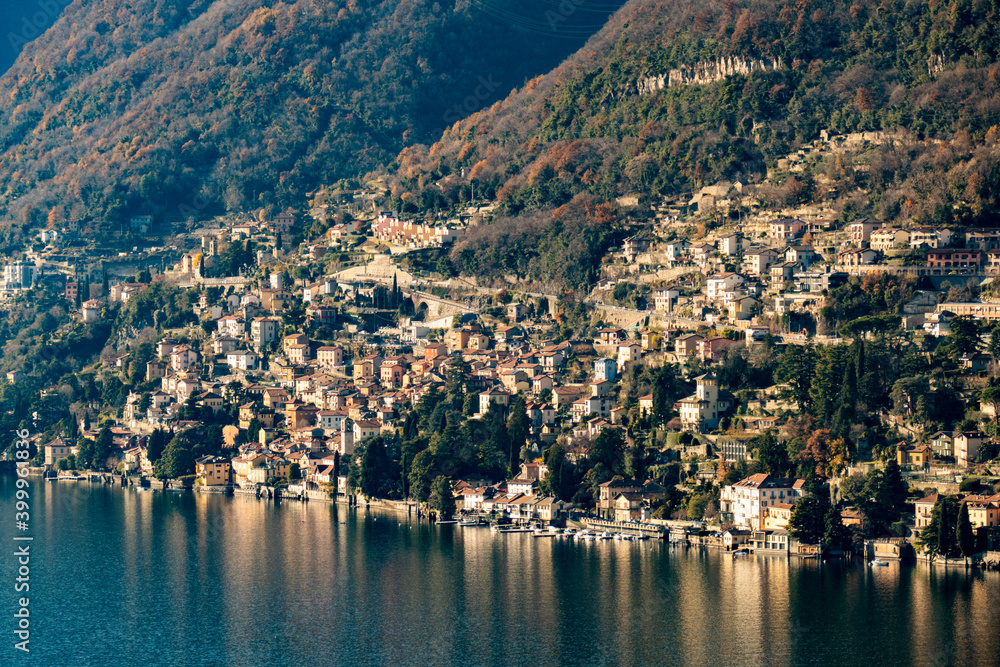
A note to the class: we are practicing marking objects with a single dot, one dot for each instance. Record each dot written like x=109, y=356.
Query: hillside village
x=684, y=389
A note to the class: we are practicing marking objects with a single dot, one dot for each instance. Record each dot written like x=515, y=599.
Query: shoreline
x=986, y=562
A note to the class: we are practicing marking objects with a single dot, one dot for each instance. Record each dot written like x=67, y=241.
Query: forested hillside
x=139, y=107
x=674, y=95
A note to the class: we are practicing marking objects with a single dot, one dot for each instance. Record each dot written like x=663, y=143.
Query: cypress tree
x=946, y=534
x=964, y=537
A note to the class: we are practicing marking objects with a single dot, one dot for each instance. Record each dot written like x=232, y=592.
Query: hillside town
x=672, y=399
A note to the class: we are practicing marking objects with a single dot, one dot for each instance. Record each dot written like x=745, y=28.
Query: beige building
x=746, y=503
x=212, y=470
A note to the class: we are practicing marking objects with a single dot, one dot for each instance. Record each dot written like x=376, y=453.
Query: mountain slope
x=148, y=106
x=675, y=94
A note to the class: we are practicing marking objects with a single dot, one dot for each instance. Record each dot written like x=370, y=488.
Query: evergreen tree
x=797, y=368
x=965, y=539
x=666, y=391
x=442, y=498
x=994, y=345
x=157, y=442
x=808, y=520
x=894, y=489
x=825, y=388
x=517, y=429
x=376, y=476
x=771, y=454
x=835, y=533
x=177, y=460
x=963, y=336
x=253, y=430
x=101, y=450
x=421, y=475
x=608, y=448
x=945, y=527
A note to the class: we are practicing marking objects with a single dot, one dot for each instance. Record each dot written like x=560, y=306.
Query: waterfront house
x=628, y=507
x=777, y=516
x=629, y=353
x=608, y=491
x=857, y=257
x=770, y=542
x=757, y=261
x=58, y=449
x=930, y=237
x=923, y=508
x=522, y=486
x=745, y=502
x=735, y=538
x=212, y=470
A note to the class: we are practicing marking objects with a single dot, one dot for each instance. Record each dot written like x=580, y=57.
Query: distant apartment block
x=390, y=229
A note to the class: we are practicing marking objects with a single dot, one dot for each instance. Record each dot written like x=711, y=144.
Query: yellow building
x=920, y=456
x=212, y=470
x=777, y=516
x=984, y=512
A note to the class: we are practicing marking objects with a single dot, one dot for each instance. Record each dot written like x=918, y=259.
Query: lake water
x=126, y=577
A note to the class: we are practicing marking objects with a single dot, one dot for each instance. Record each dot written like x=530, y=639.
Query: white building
x=746, y=501
x=492, y=396
x=704, y=408
x=183, y=357
x=91, y=310
x=628, y=354
x=19, y=275
x=719, y=284
x=242, y=360
x=232, y=326
x=264, y=330
x=604, y=369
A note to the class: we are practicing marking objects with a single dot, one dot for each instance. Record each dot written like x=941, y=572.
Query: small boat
x=875, y=562
x=606, y=535
x=469, y=523
x=741, y=552
x=445, y=521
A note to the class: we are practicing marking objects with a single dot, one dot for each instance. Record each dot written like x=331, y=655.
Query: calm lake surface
x=132, y=578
